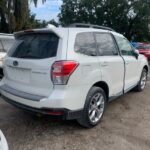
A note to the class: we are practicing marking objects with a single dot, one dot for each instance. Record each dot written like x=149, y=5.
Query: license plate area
x=18, y=74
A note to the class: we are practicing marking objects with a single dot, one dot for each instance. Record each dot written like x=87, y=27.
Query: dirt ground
x=125, y=126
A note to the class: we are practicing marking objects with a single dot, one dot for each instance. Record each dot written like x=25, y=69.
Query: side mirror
x=136, y=53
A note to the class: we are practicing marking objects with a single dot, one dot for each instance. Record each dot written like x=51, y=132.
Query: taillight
x=61, y=71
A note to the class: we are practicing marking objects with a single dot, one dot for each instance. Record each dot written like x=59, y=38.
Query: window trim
x=119, y=52
x=115, y=44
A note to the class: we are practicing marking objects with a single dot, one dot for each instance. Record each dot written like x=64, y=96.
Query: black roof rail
x=83, y=25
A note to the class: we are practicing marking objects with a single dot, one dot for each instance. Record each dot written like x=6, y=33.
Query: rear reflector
x=55, y=112
x=61, y=71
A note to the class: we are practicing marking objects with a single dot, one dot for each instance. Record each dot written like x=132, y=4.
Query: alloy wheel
x=143, y=80
x=96, y=108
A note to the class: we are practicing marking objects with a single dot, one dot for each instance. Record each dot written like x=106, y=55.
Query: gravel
x=125, y=126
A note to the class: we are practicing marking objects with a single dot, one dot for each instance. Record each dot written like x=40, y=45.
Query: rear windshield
x=6, y=44
x=35, y=46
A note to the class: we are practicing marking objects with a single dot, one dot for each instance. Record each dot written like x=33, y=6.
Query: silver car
x=3, y=142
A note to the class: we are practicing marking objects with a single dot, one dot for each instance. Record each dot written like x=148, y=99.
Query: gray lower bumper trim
x=20, y=93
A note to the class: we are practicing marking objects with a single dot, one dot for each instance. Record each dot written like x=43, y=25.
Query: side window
x=85, y=44
x=124, y=46
x=105, y=44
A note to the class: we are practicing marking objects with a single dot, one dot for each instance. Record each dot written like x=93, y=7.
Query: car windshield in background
x=143, y=47
x=6, y=44
x=35, y=46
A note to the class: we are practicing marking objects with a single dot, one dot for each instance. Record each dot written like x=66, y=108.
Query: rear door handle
x=127, y=62
x=104, y=64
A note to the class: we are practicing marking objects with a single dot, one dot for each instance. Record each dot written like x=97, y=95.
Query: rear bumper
x=20, y=93
x=57, y=113
x=38, y=104
x=70, y=98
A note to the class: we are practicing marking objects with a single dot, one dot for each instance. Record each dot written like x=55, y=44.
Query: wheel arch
x=146, y=67
x=104, y=86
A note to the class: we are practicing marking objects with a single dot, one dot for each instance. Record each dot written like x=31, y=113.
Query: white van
x=6, y=41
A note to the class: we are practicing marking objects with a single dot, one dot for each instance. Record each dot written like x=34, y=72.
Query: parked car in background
x=6, y=41
x=135, y=44
x=3, y=142
x=144, y=49
x=71, y=72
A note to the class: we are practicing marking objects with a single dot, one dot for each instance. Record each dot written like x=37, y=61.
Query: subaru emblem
x=15, y=63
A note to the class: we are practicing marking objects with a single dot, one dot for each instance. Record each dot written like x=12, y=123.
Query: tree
x=13, y=14
x=35, y=2
x=129, y=17
x=3, y=23
x=35, y=23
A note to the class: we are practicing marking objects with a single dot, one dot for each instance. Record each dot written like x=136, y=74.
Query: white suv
x=71, y=72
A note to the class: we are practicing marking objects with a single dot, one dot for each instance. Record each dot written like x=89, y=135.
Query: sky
x=47, y=11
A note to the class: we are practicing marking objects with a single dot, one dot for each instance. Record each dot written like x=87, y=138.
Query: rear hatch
x=28, y=65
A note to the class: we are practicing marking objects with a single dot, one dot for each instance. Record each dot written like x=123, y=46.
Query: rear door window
x=35, y=46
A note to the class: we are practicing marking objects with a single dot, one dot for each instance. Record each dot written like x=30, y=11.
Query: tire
x=142, y=83
x=94, y=108
x=1, y=73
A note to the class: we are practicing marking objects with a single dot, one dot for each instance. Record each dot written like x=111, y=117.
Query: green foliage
x=35, y=2
x=34, y=23
x=15, y=15
x=129, y=17
x=3, y=23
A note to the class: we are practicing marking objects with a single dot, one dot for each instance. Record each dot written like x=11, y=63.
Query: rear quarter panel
x=85, y=75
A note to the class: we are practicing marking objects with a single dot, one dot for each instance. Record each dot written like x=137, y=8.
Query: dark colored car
x=144, y=49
